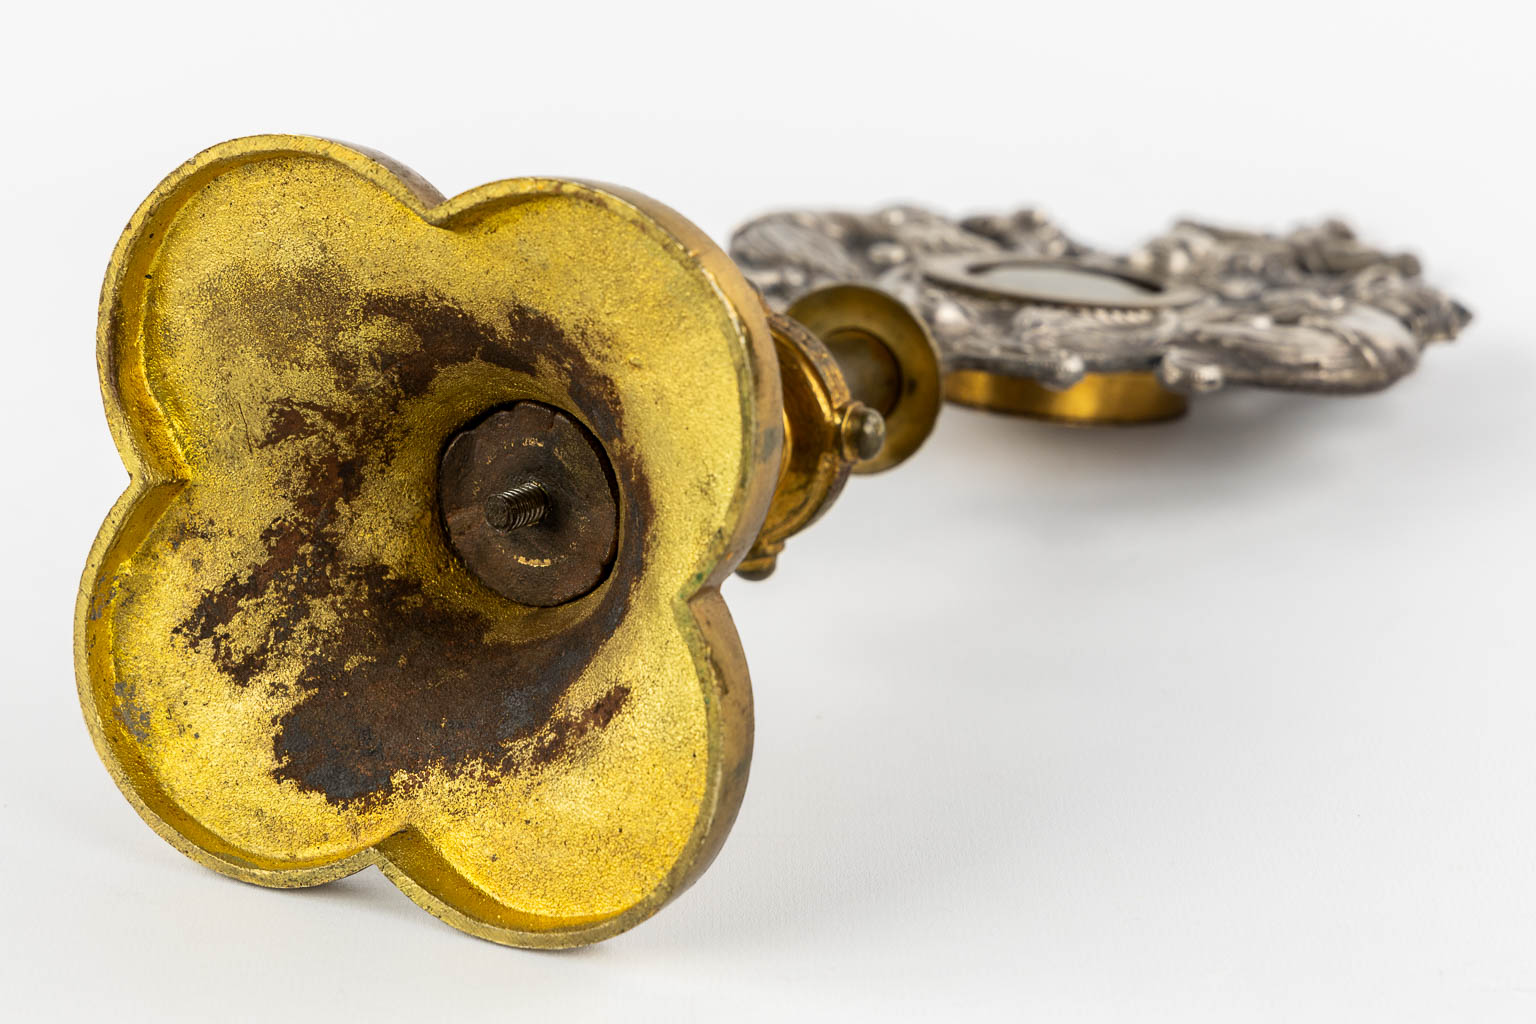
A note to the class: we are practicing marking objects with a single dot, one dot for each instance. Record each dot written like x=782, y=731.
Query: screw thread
x=517, y=507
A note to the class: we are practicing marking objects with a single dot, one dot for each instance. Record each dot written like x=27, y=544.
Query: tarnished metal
x=430, y=502
x=530, y=504
x=285, y=665
x=526, y=504
x=1031, y=321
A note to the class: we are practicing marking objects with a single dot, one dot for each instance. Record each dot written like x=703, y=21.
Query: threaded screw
x=517, y=507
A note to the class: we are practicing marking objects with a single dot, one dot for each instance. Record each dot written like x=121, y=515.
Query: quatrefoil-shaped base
x=284, y=664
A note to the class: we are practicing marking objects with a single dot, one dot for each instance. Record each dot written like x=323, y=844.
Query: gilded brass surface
x=816, y=462
x=1096, y=399
x=282, y=663
x=860, y=379
x=888, y=358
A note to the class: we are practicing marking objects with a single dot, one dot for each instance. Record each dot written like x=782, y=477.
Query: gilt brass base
x=290, y=664
x=430, y=504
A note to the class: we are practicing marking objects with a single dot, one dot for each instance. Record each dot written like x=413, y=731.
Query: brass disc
x=887, y=357
x=1096, y=400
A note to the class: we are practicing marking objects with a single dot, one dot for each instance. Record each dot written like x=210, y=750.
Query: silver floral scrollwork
x=1313, y=310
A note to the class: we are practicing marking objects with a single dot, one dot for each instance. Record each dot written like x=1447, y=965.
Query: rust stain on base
x=283, y=664
x=401, y=682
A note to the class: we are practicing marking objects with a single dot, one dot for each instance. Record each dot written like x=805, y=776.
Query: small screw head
x=863, y=432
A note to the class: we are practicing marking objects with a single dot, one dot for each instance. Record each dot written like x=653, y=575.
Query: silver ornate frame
x=1311, y=310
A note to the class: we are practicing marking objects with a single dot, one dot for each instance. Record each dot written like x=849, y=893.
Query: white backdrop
x=1227, y=720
